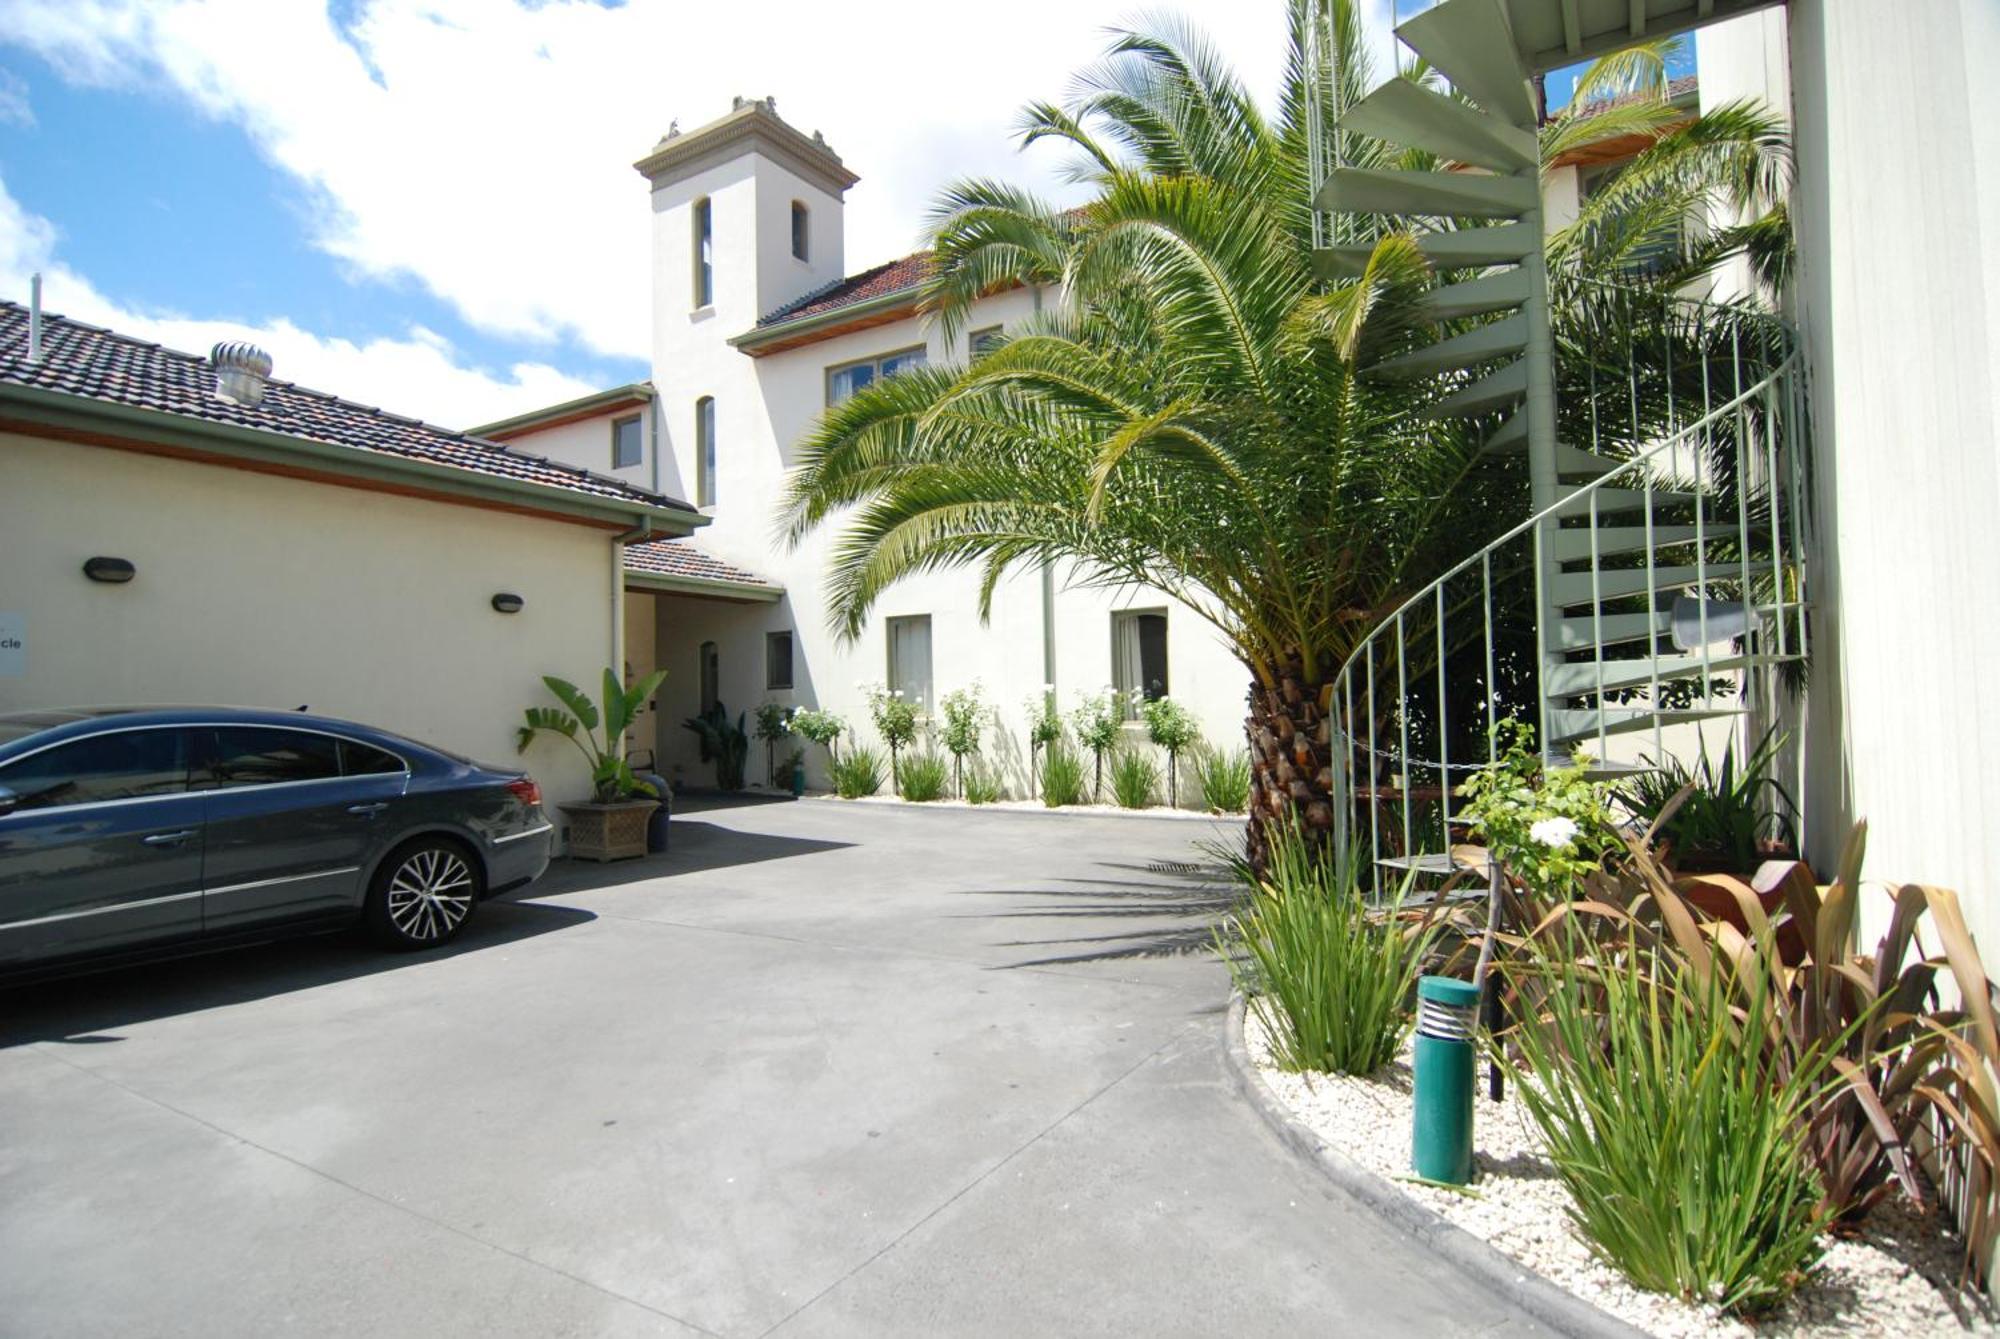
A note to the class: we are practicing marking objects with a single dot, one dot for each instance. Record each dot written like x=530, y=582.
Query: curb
x=1547, y=1302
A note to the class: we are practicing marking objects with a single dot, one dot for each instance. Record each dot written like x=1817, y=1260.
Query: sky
x=429, y=205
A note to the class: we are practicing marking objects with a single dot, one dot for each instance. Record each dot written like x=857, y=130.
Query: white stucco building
x=757, y=328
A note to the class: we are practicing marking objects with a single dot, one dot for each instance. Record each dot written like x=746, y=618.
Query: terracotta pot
x=608, y=831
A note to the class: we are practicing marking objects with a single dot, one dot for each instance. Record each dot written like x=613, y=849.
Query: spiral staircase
x=1658, y=581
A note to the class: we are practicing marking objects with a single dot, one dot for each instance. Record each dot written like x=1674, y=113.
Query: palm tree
x=1193, y=414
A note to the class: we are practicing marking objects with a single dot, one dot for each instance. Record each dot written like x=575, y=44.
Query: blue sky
x=171, y=210
x=429, y=204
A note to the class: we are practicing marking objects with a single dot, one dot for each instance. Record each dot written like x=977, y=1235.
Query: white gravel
x=1895, y=1281
x=1037, y=807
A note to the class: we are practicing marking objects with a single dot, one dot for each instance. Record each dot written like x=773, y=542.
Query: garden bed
x=1037, y=807
x=1895, y=1280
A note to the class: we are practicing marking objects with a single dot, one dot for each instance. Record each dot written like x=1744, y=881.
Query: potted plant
x=723, y=742
x=612, y=826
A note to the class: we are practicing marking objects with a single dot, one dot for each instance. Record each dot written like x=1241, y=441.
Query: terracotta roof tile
x=680, y=558
x=98, y=364
x=894, y=276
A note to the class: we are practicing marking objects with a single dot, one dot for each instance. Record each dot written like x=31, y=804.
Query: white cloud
x=483, y=147
x=15, y=109
x=419, y=375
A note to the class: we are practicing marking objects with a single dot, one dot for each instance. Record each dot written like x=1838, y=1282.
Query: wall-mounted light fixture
x=114, y=571
x=508, y=604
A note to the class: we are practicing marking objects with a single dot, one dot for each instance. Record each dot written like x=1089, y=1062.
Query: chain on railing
x=1663, y=590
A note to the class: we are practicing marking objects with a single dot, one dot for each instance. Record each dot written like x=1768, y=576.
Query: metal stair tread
x=1567, y=726
x=1574, y=588
x=1369, y=190
x=1575, y=545
x=1471, y=44
x=1580, y=677
x=1404, y=112
x=1490, y=392
x=1445, y=248
x=1495, y=339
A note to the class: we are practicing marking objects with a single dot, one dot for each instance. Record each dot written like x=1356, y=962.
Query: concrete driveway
x=823, y=1069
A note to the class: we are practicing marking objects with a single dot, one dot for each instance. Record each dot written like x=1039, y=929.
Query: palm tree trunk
x=1291, y=760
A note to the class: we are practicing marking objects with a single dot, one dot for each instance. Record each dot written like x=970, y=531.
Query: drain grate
x=1175, y=867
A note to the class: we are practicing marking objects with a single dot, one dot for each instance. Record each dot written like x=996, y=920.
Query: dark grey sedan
x=132, y=831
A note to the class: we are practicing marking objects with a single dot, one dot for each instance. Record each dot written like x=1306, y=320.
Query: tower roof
x=753, y=123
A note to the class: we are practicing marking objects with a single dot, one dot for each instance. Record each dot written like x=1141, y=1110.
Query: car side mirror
x=8, y=801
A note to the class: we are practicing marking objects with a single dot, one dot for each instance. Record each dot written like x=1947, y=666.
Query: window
x=625, y=448
x=982, y=342
x=1139, y=655
x=910, y=658
x=265, y=756
x=358, y=759
x=844, y=380
x=801, y=231
x=704, y=254
x=711, y=677
x=704, y=451
x=128, y=765
x=777, y=660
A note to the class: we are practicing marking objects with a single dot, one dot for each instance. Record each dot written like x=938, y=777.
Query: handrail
x=1761, y=418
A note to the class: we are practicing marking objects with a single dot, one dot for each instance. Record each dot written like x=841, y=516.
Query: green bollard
x=1441, y=1142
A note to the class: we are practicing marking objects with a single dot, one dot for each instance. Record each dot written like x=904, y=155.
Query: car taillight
x=526, y=791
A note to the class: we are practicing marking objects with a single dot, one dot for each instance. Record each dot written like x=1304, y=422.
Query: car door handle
x=368, y=810
x=169, y=838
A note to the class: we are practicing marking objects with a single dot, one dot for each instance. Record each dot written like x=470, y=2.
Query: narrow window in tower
x=704, y=254
x=704, y=451
x=801, y=231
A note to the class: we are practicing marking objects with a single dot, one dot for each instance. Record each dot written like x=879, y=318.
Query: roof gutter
x=33, y=407
x=583, y=406
x=713, y=587
x=752, y=340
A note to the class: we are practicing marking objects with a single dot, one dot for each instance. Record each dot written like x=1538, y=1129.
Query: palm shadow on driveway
x=1180, y=904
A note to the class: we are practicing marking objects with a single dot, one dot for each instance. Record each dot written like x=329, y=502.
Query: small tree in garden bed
x=774, y=726
x=895, y=720
x=1095, y=722
x=964, y=715
x=1045, y=726
x=1173, y=728
x=823, y=728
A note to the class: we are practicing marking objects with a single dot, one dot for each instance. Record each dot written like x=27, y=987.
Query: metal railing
x=1568, y=618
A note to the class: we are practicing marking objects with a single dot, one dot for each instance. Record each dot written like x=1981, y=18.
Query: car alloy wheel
x=429, y=894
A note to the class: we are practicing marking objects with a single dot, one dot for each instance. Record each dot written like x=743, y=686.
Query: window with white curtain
x=910, y=659
x=1139, y=655
x=847, y=378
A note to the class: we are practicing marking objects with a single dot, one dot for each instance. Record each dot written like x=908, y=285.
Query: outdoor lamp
x=113, y=571
x=507, y=603
x=1441, y=1073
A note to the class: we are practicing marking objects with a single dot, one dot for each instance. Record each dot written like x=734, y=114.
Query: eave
x=706, y=588
x=57, y=416
x=886, y=309
x=599, y=403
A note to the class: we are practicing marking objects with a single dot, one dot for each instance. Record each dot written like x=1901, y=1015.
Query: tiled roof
x=679, y=558
x=98, y=364
x=892, y=277
x=1684, y=87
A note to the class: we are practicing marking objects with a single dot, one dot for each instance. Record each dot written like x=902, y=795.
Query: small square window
x=626, y=450
x=982, y=342
x=777, y=660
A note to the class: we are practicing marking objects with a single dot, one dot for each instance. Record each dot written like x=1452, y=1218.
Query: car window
x=126, y=765
x=249, y=755
x=358, y=759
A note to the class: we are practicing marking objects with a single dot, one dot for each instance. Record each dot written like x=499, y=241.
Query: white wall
x=1898, y=217
x=262, y=591
x=587, y=443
